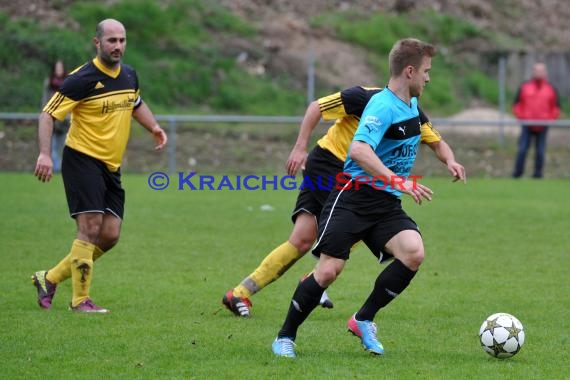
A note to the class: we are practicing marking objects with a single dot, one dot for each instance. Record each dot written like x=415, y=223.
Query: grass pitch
x=495, y=245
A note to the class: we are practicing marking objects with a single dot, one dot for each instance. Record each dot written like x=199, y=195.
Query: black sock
x=305, y=299
x=390, y=283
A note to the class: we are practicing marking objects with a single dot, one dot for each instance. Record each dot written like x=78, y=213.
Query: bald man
x=102, y=96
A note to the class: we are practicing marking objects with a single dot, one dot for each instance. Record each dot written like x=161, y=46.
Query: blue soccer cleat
x=284, y=347
x=366, y=331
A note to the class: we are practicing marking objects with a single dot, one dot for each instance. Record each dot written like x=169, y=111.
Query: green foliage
x=177, y=49
x=263, y=98
x=181, y=62
x=180, y=251
x=480, y=86
x=446, y=30
x=377, y=33
x=37, y=46
x=439, y=94
x=183, y=53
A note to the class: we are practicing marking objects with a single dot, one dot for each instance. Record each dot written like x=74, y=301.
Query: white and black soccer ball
x=501, y=335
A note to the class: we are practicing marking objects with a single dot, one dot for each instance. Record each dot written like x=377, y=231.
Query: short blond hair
x=408, y=52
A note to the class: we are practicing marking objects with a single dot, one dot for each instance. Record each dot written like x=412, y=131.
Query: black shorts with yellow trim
x=321, y=169
x=350, y=215
x=90, y=186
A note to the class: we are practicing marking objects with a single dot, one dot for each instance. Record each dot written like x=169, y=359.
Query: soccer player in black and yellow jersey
x=324, y=161
x=102, y=96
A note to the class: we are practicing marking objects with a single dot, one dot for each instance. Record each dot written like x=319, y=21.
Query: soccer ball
x=501, y=335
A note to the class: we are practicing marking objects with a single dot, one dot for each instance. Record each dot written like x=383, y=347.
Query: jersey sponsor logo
x=372, y=123
x=109, y=106
x=404, y=151
x=402, y=129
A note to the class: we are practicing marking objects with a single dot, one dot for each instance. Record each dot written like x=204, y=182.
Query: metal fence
x=499, y=128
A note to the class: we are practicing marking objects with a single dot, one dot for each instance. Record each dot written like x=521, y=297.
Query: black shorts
x=319, y=175
x=373, y=216
x=90, y=186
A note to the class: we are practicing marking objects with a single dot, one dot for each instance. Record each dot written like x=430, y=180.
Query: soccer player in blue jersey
x=325, y=160
x=102, y=96
x=368, y=206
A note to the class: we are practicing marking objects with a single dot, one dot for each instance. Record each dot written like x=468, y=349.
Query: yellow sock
x=81, y=270
x=97, y=253
x=61, y=272
x=270, y=269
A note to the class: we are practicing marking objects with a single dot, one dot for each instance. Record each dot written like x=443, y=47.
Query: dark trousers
x=540, y=149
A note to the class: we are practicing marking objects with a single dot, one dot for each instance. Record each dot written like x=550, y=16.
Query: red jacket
x=537, y=99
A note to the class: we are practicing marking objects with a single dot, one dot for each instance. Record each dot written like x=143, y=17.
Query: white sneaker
x=325, y=301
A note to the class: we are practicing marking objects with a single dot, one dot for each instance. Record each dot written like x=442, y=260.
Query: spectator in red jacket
x=536, y=99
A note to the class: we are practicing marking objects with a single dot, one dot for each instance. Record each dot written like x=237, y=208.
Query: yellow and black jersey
x=101, y=102
x=346, y=107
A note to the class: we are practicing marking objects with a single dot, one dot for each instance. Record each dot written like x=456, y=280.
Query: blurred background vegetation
x=187, y=55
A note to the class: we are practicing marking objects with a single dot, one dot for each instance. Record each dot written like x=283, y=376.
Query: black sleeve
x=423, y=117
x=78, y=85
x=355, y=99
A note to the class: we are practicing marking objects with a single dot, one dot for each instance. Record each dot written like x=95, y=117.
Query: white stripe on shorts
x=330, y=214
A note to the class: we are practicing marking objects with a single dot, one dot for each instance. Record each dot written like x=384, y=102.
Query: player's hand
x=417, y=191
x=160, y=137
x=296, y=161
x=457, y=171
x=44, y=167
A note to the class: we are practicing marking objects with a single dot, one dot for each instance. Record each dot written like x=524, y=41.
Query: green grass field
x=495, y=245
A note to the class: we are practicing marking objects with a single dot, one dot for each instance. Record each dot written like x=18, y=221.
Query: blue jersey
x=392, y=128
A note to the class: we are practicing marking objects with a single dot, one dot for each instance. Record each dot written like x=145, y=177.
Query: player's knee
x=326, y=274
x=108, y=240
x=110, y=243
x=107, y=245
x=304, y=233
x=303, y=245
x=417, y=258
x=303, y=242
x=410, y=252
x=413, y=256
x=325, y=277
